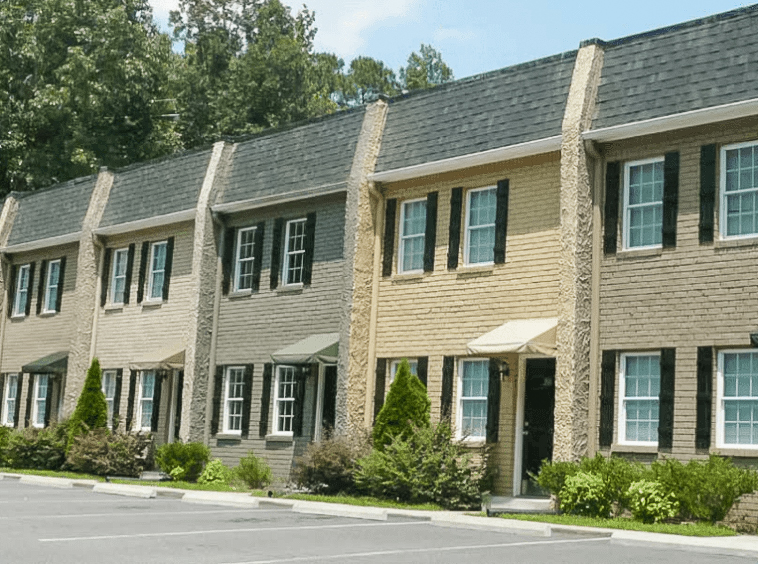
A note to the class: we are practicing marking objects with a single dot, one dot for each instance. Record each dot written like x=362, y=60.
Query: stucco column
x=358, y=280
x=7, y=217
x=572, y=382
x=86, y=293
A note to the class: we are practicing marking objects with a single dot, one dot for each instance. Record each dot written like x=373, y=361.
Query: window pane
x=741, y=186
x=741, y=422
x=645, y=205
x=413, y=253
x=41, y=399
x=295, y=252
x=642, y=379
x=414, y=218
x=474, y=419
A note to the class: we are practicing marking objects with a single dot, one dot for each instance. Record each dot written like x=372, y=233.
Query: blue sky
x=476, y=36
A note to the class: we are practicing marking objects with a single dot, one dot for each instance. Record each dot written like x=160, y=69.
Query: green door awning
x=56, y=363
x=323, y=347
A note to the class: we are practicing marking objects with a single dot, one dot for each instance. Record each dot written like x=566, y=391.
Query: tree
x=425, y=70
x=365, y=81
x=91, y=410
x=407, y=408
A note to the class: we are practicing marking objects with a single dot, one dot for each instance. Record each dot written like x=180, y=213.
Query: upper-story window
x=639, y=393
x=52, y=286
x=157, y=270
x=118, y=276
x=9, y=404
x=243, y=274
x=643, y=203
x=481, y=209
x=22, y=290
x=737, y=403
x=412, y=229
x=294, y=251
x=739, y=190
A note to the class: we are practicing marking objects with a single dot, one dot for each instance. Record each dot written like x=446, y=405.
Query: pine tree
x=407, y=407
x=91, y=410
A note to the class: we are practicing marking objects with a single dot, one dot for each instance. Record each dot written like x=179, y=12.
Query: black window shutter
x=501, y=220
x=454, y=236
x=247, y=391
x=227, y=260
x=430, y=233
x=41, y=286
x=670, y=198
x=130, y=399
x=258, y=255
x=155, y=419
x=301, y=373
x=117, y=397
x=2, y=392
x=17, y=414
x=448, y=368
x=276, y=252
x=607, y=392
x=12, y=292
x=704, y=397
x=105, y=276
x=493, y=402
x=179, y=396
x=29, y=395
x=218, y=384
x=143, y=258
x=61, y=279
x=310, y=245
x=422, y=368
x=129, y=273
x=29, y=289
x=612, y=187
x=268, y=370
x=390, y=210
x=707, y=192
x=168, y=266
x=666, y=399
x=48, y=401
x=380, y=383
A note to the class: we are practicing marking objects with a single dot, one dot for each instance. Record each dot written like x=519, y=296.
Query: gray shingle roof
x=695, y=65
x=52, y=212
x=501, y=108
x=312, y=155
x=156, y=188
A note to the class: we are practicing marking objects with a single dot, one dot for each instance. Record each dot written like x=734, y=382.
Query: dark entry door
x=539, y=403
x=329, y=412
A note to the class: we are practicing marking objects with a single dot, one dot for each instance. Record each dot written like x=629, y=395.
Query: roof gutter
x=528, y=149
x=43, y=243
x=275, y=199
x=148, y=223
x=693, y=118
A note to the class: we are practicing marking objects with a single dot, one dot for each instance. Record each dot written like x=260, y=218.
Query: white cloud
x=443, y=34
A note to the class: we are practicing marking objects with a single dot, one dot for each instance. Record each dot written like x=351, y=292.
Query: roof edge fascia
x=43, y=243
x=275, y=199
x=147, y=223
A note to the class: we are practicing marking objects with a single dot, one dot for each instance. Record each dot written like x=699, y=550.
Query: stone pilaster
x=7, y=217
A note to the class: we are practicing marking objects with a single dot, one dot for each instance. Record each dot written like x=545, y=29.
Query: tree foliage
x=406, y=409
x=425, y=69
x=91, y=410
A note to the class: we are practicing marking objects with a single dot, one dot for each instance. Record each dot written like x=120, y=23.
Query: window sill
x=736, y=242
x=48, y=313
x=408, y=278
x=473, y=443
x=639, y=253
x=155, y=304
x=238, y=294
x=736, y=451
x=228, y=435
x=279, y=438
x=290, y=289
x=639, y=449
x=17, y=317
x=475, y=271
x=114, y=307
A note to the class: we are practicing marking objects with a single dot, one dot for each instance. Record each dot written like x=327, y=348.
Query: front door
x=539, y=403
x=329, y=409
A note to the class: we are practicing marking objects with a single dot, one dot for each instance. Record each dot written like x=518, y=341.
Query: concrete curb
x=340, y=510
x=61, y=483
x=145, y=492
x=223, y=498
x=513, y=526
x=742, y=543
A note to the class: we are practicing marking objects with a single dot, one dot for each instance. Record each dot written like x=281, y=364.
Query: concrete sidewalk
x=745, y=544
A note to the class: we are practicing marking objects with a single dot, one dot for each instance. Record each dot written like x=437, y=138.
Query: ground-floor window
x=737, y=417
x=284, y=400
x=147, y=392
x=412, y=362
x=109, y=391
x=233, y=398
x=9, y=404
x=473, y=386
x=41, y=382
x=639, y=391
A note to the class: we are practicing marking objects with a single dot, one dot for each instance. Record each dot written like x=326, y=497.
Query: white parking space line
x=331, y=557
x=222, y=531
x=113, y=500
x=140, y=514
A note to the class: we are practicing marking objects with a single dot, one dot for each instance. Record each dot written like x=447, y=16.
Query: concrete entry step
x=522, y=504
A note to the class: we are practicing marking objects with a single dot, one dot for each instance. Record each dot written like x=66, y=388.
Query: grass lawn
x=54, y=474
x=688, y=529
x=363, y=501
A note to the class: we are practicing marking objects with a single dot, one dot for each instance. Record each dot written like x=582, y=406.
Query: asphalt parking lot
x=77, y=526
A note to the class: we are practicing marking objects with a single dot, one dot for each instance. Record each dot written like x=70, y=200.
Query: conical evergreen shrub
x=407, y=407
x=91, y=410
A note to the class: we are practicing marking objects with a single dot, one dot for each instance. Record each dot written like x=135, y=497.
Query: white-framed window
x=412, y=235
x=234, y=386
x=395, y=364
x=118, y=275
x=243, y=270
x=109, y=391
x=473, y=386
x=22, y=291
x=481, y=209
x=284, y=400
x=146, y=395
x=639, y=392
x=294, y=251
x=9, y=403
x=41, y=382
x=737, y=399
x=643, y=203
x=157, y=270
x=739, y=190
x=51, y=286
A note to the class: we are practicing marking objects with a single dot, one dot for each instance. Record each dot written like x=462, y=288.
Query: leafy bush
x=182, y=461
x=617, y=474
x=103, y=453
x=649, y=503
x=254, y=471
x=5, y=437
x=91, y=410
x=39, y=449
x=406, y=408
x=585, y=494
x=552, y=476
x=216, y=473
x=329, y=466
x=428, y=466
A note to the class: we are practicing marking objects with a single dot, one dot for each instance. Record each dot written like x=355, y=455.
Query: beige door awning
x=162, y=359
x=323, y=347
x=519, y=336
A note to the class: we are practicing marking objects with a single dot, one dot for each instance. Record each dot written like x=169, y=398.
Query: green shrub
x=91, y=410
x=216, y=473
x=649, y=503
x=617, y=474
x=406, y=408
x=182, y=461
x=38, y=449
x=254, y=471
x=585, y=494
x=328, y=467
x=552, y=476
x=5, y=437
x=103, y=453
x=428, y=466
